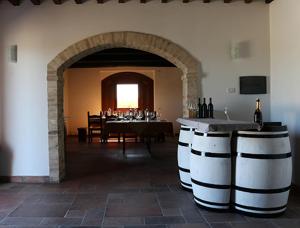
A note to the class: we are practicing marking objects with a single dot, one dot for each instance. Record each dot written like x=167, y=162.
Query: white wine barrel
x=263, y=171
x=183, y=156
x=211, y=169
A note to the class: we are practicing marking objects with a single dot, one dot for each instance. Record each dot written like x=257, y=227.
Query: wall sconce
x=234, y=50
x=240, y=49
x=14, y=53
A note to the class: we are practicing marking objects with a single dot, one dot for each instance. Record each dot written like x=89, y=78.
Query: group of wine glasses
x=131, y=114
x=193, y=108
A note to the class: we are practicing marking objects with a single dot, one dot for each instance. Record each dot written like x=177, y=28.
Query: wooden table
x=142, y=128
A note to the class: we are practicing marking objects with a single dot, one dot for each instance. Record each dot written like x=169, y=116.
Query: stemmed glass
x=226, y=113
x=139, y=115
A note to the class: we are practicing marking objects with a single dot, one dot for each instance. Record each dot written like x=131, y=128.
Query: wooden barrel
x=263, y=171
x=183, y=156
x=211, y=169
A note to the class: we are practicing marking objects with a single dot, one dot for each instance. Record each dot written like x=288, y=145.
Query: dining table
x=145, y=129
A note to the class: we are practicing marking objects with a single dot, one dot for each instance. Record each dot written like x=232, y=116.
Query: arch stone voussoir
x=141, y=41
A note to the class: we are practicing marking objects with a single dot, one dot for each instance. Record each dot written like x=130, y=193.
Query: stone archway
x=141, y=41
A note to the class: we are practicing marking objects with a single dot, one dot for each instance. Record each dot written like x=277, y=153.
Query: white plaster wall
x=82, y=92
x=1, y=87
x=41, y=32
x=168, y=95
x=285, y=71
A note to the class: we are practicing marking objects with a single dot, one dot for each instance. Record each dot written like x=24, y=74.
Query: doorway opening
x=162, y=47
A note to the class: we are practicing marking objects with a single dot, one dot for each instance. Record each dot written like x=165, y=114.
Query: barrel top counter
x=207, y=125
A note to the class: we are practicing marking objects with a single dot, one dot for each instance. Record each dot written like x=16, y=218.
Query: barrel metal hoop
x=212, y=135
x=266, y=156
x=184, y=183
x=187, y=129
x=217, y=155
x=263, y=136
x=208, y=185
x=196, y=152
x=183, y=144
x=184, y=170
x=211, y=203
x=260, y=208
x=184, y=129
x=218, y=135
x=262, y=191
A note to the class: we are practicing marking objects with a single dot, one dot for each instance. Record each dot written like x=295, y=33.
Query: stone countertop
x=206, y=125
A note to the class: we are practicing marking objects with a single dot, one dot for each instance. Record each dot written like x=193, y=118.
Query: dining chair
x=94, y=126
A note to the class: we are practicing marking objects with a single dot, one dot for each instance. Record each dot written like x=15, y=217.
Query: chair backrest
x=94, y=120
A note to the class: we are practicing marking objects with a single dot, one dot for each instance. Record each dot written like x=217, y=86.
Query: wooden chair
x=94, y=126
x=104, y=138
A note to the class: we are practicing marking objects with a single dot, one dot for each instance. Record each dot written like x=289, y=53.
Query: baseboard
x=24, y=179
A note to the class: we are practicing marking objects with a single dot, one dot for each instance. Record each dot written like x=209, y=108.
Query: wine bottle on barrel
x=258, y=113
x=204, y=109
x=200, y=108
x=210, y=109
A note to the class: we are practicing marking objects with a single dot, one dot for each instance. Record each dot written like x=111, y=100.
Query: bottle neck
x=257, y=105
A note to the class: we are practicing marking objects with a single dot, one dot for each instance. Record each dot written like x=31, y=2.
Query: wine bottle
x=200, y=108
x=210, y=109
x=204, y=109
x=258, y=113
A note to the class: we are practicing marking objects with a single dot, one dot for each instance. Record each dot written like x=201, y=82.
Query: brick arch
x=141, y=41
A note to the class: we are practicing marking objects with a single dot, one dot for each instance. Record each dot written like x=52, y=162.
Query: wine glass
x=139, y=115
x=226, y=113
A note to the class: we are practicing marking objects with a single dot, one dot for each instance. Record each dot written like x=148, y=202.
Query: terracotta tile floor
x=105, y=189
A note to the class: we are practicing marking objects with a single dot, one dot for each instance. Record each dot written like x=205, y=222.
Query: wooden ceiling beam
x=36, y=2
x=57, y=2
x=121, y=1
x=15, y=2
x=206, y=1
x=185, y=1
x=143, y=1
x=164, y=1
x=100, y=1
x=248, y=1
x=268, y=1
x=78, y=1
x=227, y=1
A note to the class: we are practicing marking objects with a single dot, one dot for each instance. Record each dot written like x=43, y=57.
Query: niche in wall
x=145, y=89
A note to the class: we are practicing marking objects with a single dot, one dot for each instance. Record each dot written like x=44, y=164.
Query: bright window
x=127, y=95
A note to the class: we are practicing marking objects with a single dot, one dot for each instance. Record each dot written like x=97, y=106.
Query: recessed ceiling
x=115, y=57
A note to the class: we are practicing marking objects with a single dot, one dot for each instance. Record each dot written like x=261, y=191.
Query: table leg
x=148, y=144
x=123, y=143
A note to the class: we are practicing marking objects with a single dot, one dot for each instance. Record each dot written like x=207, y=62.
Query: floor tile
x=212, y=217
x=21, y=221
x=75, y=214
x=61, y=221
x=93, y=217
x=287, y=223
x=132, y=211
x=221, y=225
x=164, y=220
x=116, y=221
x=192, y=215
x=41, y=210
x=171, y=212
x=146, y=226
x=253, y=224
